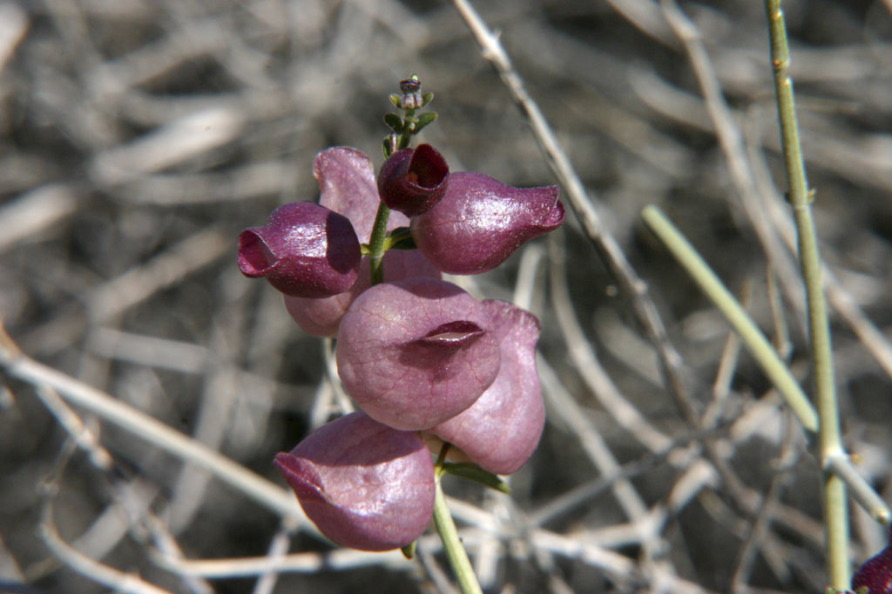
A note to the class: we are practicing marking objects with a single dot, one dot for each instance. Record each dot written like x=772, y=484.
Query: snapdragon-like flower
x=480, y=222
x=365, y=485
x=346, y=179
x=413, y=180
x=417, y=352
x=304, y=250
x=875, y=576
x=500, y=431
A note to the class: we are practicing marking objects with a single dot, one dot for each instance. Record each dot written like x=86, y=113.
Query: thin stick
x=604, y=242
x=835, y=505
x=143, y=426
x=753, y=339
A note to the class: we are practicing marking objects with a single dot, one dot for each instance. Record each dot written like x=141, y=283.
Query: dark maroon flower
x=876, y=573
x=417, y=352
x=500, y=431
x=481, y=221
x=365, y=485
x=412, y=180
x=304, y=250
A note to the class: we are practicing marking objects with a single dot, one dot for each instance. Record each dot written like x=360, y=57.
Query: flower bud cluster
x=422, y=358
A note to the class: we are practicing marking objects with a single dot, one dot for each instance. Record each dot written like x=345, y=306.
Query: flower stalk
x=455, y=551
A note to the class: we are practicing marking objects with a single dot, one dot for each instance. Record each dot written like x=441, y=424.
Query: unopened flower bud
x=304, y=250
x=365, y=485
x=411, y=97
x=417, y=352
x=480, y=222
x=412, y=180
x=500, y=431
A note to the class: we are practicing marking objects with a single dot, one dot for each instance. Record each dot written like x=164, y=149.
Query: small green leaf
x=400, y=239
x=425, y=119
x=472, y=472
x=409, y=550
x=395, y=99
x=394, y=122
x=426, y=98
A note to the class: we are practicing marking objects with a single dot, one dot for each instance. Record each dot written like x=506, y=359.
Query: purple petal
x=321, y=317
x=365, y=485
x=480, y=222
x=304, y=250
x=500, y=431
x=417, y=352
x=347, y=184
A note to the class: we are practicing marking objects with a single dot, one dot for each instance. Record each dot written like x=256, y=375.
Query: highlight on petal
x=501, y=430
x=304, y=250
x=480, y=222
x=365, y=485
x=415, y=353
x=321, y=317
x=347, y=183
x=412, y=180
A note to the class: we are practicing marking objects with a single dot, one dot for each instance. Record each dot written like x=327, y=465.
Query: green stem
x=835, y=508
x=377, y=243
x=752, y=337
x=455, y=551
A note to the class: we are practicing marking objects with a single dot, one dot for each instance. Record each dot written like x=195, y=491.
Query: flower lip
x=254, y=256
x=452, y=334
x=302, y=477
x=304, y=250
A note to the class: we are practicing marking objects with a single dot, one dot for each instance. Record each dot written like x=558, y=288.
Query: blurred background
x=139, y=137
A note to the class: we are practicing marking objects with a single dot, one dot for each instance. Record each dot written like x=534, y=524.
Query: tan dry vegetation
x=138, y=137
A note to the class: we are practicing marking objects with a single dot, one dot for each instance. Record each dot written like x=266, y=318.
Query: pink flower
x=480, y=222
x=304, y=250
x=500, y=431
x=365, y=485
x=417, y=352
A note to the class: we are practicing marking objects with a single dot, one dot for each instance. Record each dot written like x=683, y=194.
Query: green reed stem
x=753, y=339
x=835, y=504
